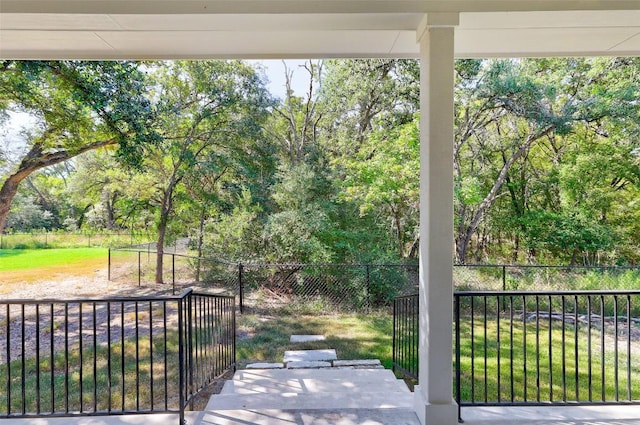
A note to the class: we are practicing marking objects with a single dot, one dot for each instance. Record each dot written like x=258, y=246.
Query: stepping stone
x=372, y=363
x=307, y=365
x=265, y=366
x=306, y=338
x=309, y=355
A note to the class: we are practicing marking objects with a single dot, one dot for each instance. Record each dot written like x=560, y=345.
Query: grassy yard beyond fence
x=353, y=336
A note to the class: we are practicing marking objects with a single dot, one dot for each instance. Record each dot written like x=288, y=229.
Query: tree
x=80, y=106
x=210, y=116
x=384, y=180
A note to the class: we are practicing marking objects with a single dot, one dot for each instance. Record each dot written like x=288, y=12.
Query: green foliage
x=26, y=215
x=295, y=233
x=546, y=157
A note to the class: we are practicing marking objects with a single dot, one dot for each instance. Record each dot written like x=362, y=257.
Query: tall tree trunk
x=162, y=231
x=7, y=193
x=34, y=160
x=203, y=212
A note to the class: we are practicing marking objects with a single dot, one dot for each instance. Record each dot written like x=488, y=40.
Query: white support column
x=433, y=397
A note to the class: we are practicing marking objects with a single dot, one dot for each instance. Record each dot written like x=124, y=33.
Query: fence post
x=504, y=286
x=173, y=273
x=456, y=311
x=395, y=336
x=241, y=286
x=109, y=265
x=504, y=278
x=190, y=346
x=181, y=377
x=368, y=287
x=139, y=268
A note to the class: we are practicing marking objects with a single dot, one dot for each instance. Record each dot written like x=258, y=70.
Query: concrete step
x=327, y=373
x=311, y=385
x=309, y=417
x=309, y=355
x=321, y=401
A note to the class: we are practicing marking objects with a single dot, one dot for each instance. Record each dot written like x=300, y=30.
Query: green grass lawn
x=570, y=367
x=353, y=336
x=22, y=259
x=95, y=383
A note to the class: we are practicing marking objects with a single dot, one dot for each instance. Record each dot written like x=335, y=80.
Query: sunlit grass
x=98, y=382
x=23, y=259
x=353, y=336
x=555, y=366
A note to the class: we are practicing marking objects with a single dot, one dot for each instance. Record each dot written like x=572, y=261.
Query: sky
x=274, y=70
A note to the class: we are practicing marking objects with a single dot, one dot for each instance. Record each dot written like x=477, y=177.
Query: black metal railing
x=108, y=356
x=541, y=348
x=405, y=336
x=210, y=341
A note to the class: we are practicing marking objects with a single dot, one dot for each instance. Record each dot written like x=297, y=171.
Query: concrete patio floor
x=579, y=415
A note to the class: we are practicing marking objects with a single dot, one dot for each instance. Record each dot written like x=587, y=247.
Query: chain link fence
x=483, y=277
x=326, y=287
x=37, y=240
x=179, y=271
x=302, y=287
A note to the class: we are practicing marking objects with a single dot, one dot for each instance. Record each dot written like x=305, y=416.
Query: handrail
x=68, y=357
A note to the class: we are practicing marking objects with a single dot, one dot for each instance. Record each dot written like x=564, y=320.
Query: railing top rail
x=204, y=294
x=88, y=300
x=400, y=297
x=303, y=265
x=544, y=266
x=543, y=293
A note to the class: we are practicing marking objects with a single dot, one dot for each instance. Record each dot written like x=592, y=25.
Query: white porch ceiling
x=155, y=29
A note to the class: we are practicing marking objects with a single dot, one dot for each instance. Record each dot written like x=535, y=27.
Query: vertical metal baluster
x=394, y=337
x=95, y=360
x=538, y=348
x=109, y=383
x=499, y=347
x=52, y=360
x=166, y=362
x=38, y=371
x=151, y=354
x=137, y=329
x=575, y=342
x=66, y=357
x=564, y=350
x=8, y=339
x=589, y=354
x=23, y=365
x=511, y=384
x=214, y=340
x=80, y=395
x=122, y=356
x=616, y=360
x=181, y=358
x=200, y=379
x=456, y=312
x=602, y=350
x=629, y=398
x=473, y=353
x=550, y=349
x=524, y=344
x=486, y=343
